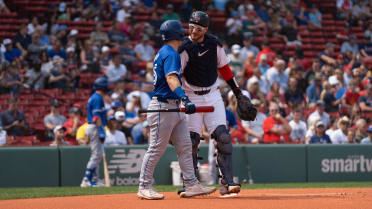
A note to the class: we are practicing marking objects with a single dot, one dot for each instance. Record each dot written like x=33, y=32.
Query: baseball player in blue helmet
x=166, y=126
x=95, y=131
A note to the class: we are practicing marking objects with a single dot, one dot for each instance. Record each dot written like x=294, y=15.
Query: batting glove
x=190, y=107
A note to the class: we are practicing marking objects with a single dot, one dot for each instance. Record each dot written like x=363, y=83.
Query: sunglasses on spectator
x=274, y=110
x=197, y=28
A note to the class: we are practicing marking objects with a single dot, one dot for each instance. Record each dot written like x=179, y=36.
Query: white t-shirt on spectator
x=145, y=98
x=330, y=131
x=325, y=118
x=298, y=130
x=233, y=25
x=116, y=138
x=122, y=15
x=147, y=52
x=2, y=135
x=338, y=137
x=114, y=73
x=256, y=125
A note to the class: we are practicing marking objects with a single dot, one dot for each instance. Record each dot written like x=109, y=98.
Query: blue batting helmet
x=101, y=83
x=171, y=30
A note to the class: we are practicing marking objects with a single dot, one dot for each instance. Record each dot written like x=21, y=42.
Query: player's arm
x=97, y=120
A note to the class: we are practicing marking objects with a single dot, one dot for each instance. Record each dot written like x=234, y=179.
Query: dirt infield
x=335, y=198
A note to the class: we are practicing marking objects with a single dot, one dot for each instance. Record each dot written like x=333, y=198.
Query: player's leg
x=95, y=156
x=182, y=143
x=161, y=126
x=216, y=125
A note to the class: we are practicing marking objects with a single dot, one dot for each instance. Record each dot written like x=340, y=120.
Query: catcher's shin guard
x=224, y=154
x=195, y=140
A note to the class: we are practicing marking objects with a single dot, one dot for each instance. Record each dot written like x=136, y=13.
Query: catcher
x=202, y=58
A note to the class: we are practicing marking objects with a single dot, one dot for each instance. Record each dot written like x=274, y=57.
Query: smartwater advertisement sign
x=339, y=163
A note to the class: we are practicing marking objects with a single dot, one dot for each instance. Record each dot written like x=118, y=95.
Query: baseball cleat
x=149, y=194
x=229, y=188
x=197, y=190
x=179, y=192
x=85, y=183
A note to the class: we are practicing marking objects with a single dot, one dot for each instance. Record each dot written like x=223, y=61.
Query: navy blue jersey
x=96, y=107
x=166, y=62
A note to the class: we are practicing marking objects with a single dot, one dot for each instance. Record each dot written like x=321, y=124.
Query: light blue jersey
x=96, y=107
x=166, y=62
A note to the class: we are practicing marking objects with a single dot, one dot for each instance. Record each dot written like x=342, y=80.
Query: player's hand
x=190, y=107
x=101, y=134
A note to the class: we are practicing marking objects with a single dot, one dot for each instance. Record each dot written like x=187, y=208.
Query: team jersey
x=166, y=62
x=96, y=107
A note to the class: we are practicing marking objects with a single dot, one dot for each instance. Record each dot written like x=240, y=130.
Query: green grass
x=37, y=192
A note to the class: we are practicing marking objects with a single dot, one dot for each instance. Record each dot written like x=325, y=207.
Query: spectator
x=144, y=51
x=333, y=127
x=234, y=28
x=53, y=119
x=170, y=14
x=13, y=120
x=361, y=130
x=302, y=16
x=127, y=53
x=57, y=50
x=315, y=17
x=35, y=48
x=236, y=63
x=11, y=81
x=298, y=127
x=99, y=37
x=365, y=102
x=142, y=138
x=59, y=136
x=88, y=58
x=320, y=137
x=115, y=34
x=276, y=128
x=325, y=57
x=289, y=34
x=314, y=90
x=350, y=45
x=231, y=6
x=368, y=140
x=293, y=95
x=116, y=70
x=72, y=124
x=123, y=13
x=270, y=54
x=331, y=103
x=311, y=128
x=254, y=128
x=250, y=65
x=62, y=34
x=114, y=136
x=185, y=11
x=310, y=73
x=248, y=47
x=59, y=77
x=31, y=27
x=319, y=112
x=277, y=74
x=253, y=87
x=275, y=95
x=365, y=48
x=81, y=137
x=264, y=88
x=344, y=8
x=340, y=135
x=252, y=25
x=137, y=100
x=3, y=7
x=352, y=93
x=3, y=136
x=11, y=54
x=360, y=11
x=71, y=56
x=35, y=79
x=263, y=66
x=22, y=40
x=368, y=33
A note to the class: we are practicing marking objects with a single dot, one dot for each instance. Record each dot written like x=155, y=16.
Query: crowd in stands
x=307, y=90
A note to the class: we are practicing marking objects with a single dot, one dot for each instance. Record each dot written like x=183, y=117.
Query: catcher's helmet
x=199, y=18
x=171, y=30
x=101, y=83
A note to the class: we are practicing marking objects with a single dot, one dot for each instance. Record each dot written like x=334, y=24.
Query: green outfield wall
x=64, y=166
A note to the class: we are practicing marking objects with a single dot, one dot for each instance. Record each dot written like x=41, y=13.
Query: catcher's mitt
x=245, y=109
